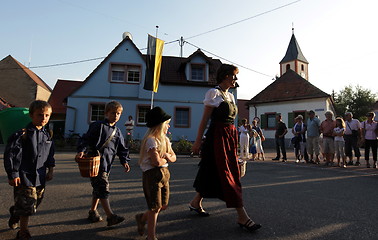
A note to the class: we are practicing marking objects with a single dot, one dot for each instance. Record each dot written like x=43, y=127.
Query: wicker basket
x=88, y=165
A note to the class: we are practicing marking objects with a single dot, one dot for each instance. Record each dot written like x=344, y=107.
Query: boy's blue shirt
x=28, y=154
x=96, y=136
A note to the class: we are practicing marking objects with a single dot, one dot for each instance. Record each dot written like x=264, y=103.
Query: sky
x=338, y=38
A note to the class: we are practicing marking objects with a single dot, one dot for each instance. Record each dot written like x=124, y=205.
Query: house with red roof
x=290, y=94
x=19, y=85
x=121, y=75
x=58, y=102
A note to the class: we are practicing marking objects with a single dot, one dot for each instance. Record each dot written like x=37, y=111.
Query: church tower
x=294, y=59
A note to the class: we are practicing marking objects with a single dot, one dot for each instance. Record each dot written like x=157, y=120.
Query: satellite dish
x=127, y=35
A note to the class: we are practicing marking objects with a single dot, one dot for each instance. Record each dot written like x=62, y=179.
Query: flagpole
x=152, y=92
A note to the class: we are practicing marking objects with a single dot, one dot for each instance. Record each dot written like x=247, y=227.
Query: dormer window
x=123, y=73
x=198, y=72
x=287, y=67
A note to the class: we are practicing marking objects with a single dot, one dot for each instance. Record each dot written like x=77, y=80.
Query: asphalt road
x=291, y=201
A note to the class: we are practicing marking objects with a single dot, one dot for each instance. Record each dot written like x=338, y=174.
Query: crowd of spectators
x=337, y=141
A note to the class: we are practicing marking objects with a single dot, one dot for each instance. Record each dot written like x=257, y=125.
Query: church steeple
x=294, y=59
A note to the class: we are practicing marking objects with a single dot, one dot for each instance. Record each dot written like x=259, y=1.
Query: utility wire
x=68, y=63
x=243, y=20
x=229, y=60
x=213, y=30
x=74, y=62
x=54, y=65
x=166, y=43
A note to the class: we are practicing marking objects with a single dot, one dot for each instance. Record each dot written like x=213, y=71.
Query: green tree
x=357, y=100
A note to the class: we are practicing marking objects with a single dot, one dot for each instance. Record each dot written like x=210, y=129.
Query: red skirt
x=218, y=175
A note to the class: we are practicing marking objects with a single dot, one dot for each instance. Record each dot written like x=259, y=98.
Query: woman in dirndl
x=219, y=174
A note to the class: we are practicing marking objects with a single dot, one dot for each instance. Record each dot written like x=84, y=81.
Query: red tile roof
x=173, y=70
x=62, y=89
x=290, y=86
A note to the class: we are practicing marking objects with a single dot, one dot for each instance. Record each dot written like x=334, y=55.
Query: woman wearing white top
x=369, y=133
x=244, y=139
x=218, y=175
x=338, y=133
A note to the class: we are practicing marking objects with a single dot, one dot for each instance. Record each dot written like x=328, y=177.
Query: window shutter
x=263, y=121
x=290, y=117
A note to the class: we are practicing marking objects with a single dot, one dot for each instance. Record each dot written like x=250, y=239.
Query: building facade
x=19, y=85
x=289, y=95
x=120, y=76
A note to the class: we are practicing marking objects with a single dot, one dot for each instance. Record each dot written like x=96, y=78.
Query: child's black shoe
x=94, y=216
x=13, y=220
x=114, y=219
x=23, y=235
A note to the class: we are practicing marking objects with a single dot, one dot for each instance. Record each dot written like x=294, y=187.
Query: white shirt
x=354, y=124
x=370, y=130
x=129, y=124
x=243, y=130
x=213, y=97
x=339, y=138
x=146, y=162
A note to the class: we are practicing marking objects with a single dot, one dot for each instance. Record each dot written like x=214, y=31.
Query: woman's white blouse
x=213, y=97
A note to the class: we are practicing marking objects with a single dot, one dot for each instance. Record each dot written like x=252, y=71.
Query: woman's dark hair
x=224, y=70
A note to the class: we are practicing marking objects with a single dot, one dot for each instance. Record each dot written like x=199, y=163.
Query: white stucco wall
x=320, y=106
x=98, y=89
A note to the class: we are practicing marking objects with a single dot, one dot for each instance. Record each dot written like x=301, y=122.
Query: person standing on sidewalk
x=299, y=132
x=326, y=127
x=279, y=136
x=129, y=130
x=338, y=133
x=259, y=139
x=351, y=137
x=369, y=136
x=244, y=139
x=313, y=134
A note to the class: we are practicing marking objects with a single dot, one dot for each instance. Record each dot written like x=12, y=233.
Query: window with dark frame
x=198, y=72
x=182, y=117
x=125, y=73
x=133, y=75
x=118, y=73
x=141, y=114
x=271, y=121
x=97, y=112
